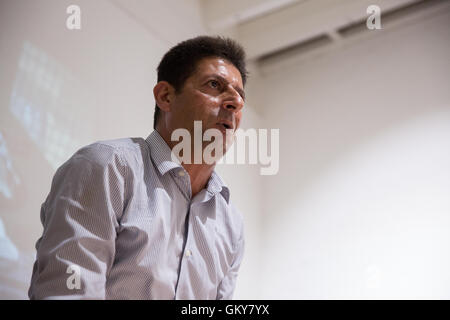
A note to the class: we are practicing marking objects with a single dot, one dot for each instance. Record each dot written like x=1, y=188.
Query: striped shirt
x=120, y=223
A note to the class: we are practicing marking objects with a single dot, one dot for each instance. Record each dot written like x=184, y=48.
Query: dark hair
x=180, y=61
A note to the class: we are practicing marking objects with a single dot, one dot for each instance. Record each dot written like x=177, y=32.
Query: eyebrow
x=239, y=90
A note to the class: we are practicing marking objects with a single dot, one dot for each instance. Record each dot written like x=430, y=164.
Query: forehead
x=218, y=66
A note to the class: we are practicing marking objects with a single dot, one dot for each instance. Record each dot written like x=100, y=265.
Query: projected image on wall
x=42, y=120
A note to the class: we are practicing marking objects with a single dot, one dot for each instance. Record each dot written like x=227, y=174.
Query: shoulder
x=118, y=152
x=119, y=157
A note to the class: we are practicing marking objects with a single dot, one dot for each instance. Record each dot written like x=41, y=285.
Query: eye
x=214, y=84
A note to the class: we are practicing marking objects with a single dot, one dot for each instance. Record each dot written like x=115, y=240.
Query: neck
x=199, y=174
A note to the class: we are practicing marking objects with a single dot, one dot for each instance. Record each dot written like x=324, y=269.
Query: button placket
x=187, y=255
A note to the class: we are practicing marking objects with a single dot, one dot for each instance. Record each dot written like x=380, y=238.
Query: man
x=124, y=221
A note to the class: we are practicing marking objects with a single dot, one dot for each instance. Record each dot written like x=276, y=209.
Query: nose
x=233, y=101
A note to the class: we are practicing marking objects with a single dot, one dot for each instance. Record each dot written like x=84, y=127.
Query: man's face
x=213, y=94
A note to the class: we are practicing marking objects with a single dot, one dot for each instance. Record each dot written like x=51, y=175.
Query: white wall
x=62, y=89
x=361, y=207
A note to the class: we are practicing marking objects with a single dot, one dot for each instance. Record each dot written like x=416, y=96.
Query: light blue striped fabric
x=122, y=211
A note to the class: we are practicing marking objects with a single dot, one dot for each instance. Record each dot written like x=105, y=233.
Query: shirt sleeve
x=228, y=283
x=80, y=219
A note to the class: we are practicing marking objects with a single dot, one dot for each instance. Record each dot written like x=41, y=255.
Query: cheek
x=198, y=105
x=209, y=101
x=207, y=104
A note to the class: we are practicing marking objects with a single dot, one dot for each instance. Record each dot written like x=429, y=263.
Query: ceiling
x=269, y=26
x=265, y=27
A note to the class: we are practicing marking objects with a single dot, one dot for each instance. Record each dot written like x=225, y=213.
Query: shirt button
x=188, y=253
x=181, y=173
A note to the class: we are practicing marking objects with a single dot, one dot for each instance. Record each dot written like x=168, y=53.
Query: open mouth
x=225, y=125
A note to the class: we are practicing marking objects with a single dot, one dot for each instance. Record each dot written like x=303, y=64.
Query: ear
x=163, y=93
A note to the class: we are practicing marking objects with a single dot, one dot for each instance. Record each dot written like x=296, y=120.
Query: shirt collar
x=216, y=184
x=162, y=158
x=161, y=153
